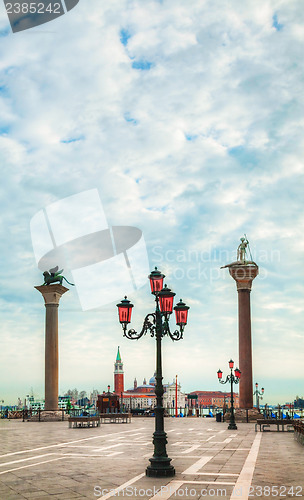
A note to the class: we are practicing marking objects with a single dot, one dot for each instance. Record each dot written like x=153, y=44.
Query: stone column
x=244, y=275
x=51, y=295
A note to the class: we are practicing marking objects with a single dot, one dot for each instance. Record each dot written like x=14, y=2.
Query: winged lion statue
x=54, y=276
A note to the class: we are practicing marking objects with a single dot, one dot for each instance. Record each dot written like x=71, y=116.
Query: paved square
x=40, y=460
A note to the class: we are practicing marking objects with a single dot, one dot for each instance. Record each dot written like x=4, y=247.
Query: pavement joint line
x=211, y=437
x=148, y=455
x=31, y=465
x=25, y=459
x=194, y=447
x=198, y=465
x=86, y=455
x=227, y=440
x=114, y=453
x=108, y=447
x=123, y=486
x=214, y=474
x=61, y=444
x=244, y=481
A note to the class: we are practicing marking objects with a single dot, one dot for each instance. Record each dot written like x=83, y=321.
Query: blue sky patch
x=4, y=130
x=124, y=37
x=276, y=24
x=73, y=139
x=247, y=158
x=190, y=137
x=143, y=65
x=130, y=119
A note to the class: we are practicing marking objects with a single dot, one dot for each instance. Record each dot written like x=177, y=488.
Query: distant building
x=94, y=397
x=215, y=398
x=118, y=374
x=170, y=396
x=143, y=396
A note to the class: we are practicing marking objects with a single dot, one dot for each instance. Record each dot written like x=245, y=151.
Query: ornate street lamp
x=157, y=324
x=258, y=394
x=233, y=379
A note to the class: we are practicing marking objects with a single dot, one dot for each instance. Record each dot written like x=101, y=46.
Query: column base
x=232, y=427
x=240, y=415
x=160, y=467
x=49, y=416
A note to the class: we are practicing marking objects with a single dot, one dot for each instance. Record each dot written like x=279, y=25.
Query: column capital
x=52, y=293
x=244, y=275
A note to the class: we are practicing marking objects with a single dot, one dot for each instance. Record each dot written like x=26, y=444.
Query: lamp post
x=157, y=324
x=233, y=379
x=258, y=394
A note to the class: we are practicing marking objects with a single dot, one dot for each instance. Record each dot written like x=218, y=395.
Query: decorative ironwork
x=157, y=324
x=148, y=325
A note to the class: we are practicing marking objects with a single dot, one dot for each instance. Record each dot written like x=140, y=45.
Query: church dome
x=152, y=380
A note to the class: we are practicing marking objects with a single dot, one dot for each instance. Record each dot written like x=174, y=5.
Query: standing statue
x=241, y=255
x=54, y=276
x=241, y=251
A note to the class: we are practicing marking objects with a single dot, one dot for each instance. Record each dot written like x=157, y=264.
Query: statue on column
x=241, y=251
x=241, y=255
x=54, y=276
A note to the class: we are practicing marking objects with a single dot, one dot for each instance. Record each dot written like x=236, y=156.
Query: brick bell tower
x=118, y=374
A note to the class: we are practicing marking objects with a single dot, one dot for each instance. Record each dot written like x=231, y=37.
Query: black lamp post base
x=232, y=426
x=160, y=467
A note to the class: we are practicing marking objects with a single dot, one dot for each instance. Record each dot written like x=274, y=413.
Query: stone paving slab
x=47, y=459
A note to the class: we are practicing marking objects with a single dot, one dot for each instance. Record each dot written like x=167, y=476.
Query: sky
x=183, y=120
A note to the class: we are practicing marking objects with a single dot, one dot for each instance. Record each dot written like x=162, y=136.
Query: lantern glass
x=166, y=297
x=263, y=390
x=125, y=311
x=256, y=385
x=181, y=313
x=237, y=373
x=156, y=281
x=231, y=364
x=219, y=374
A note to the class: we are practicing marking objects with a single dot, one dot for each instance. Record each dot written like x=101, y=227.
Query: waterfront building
x=217, y=399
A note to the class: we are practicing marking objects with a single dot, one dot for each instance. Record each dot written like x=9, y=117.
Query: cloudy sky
x=185, y=118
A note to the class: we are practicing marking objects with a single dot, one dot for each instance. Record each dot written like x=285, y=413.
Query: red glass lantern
x=156, y=281
x=181, y=313
x=125, y=311
x=263, y=390
x=231, y=364
x=166, y=300
x=219, y=374
x=256, y=385
x=237, y=373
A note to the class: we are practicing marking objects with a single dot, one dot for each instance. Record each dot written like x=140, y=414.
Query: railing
x=27, y=414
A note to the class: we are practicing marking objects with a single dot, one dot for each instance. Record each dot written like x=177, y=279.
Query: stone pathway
x=47, y=459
